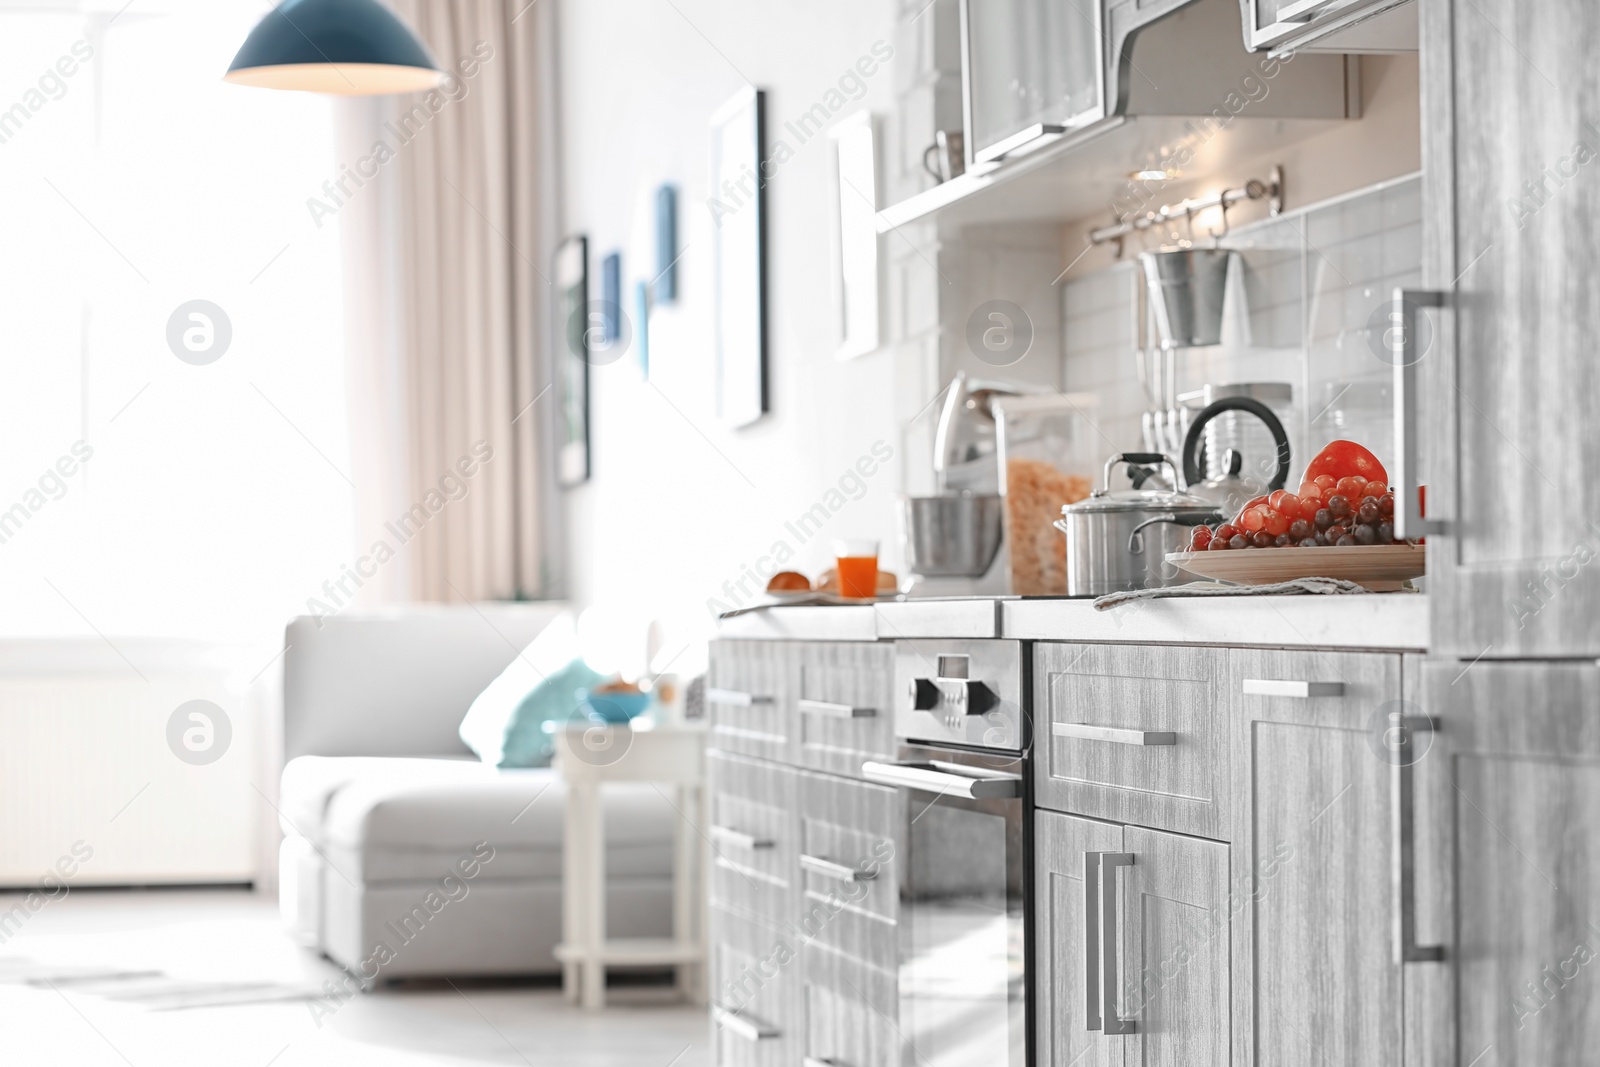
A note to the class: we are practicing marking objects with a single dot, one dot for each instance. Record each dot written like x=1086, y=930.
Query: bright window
x=134, y=181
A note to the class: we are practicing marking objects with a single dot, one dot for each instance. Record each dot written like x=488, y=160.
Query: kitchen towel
x=1324, y=586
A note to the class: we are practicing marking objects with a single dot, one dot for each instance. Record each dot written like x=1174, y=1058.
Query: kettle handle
x=1192, y=473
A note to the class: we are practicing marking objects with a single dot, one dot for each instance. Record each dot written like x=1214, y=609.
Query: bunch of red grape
x=1343, y=512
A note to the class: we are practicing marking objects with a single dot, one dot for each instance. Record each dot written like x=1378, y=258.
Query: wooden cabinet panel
x=1175, y=941
x=844, y=710
x=1061, y=952
x=1508, y=375
x=753, y=836
x=847, y=832
x=755, y=993
x=1514, y=775
x=1313, y=965
x=1172, y=947
x=850, y=1011
x=750, y=698
x=1133, y=733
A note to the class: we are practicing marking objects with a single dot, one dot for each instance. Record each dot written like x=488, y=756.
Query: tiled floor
x=235, y=936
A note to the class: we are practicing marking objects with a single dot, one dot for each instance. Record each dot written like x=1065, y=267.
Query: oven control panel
x=961, y=692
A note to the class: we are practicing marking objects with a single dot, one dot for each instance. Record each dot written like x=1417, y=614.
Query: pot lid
x=1140, y=500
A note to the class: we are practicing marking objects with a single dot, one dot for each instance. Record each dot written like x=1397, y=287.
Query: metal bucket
x=1186, y=287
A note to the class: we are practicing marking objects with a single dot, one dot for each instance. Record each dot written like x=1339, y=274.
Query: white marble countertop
x=1396, y=621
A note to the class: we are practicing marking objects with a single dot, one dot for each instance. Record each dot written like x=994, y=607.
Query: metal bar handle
x=813, y=1061
x=1091, y=939
x=1083, y=731
x=740, y=1025
x=736, y=698
x=836, y=711
x=932, y=778
x=1157, y=459
x=1282, y=687
x=739, y=839
x=837, y=871
x=1408, y=520
x=1398, y=740
x=1109, y=941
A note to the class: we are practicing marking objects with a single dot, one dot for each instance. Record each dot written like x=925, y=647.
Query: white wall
x=679, y=505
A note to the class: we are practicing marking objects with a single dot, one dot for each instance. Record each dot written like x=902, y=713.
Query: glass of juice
x=858, y=568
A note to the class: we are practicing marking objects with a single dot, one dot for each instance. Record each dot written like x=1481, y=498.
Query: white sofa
x=403, y=855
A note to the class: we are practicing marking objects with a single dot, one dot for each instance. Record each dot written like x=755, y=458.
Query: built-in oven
x=963, y=854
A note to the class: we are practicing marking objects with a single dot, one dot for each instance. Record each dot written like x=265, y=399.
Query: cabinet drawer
x=753, y=834
x=754, y=993
x=750, y=697
x=1134, y=733
x=852, y=938
x=848, y=1011
x=844, y=712
x=847, y=852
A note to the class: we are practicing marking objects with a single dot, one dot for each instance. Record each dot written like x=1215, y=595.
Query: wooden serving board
x=1381, y=568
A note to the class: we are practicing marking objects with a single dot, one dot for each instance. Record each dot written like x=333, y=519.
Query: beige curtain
x=445, y=235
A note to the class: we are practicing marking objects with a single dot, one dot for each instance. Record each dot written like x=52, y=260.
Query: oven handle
x=933, y=778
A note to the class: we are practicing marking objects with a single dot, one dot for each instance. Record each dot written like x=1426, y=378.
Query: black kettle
x=1232, y=490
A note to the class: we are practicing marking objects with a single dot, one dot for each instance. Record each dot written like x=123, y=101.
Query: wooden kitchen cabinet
x=1168, y=934
x=750, y=698
x=1365, y=26
x=1507, y=378
x=1508, y=809
x=1134, y=734
x=844, y=705
x=755, y=993
x=1314, y=974
x=753, y=835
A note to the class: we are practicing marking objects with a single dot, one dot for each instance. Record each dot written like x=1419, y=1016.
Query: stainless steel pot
x=1120, y=541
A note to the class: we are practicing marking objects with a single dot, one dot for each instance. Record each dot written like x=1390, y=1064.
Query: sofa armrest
x=396, y=683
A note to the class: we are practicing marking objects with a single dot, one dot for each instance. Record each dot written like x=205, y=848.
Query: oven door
x=962, y=916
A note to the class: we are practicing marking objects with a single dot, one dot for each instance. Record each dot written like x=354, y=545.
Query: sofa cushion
x=310, y=782
x=505, y=724
x=383, y=828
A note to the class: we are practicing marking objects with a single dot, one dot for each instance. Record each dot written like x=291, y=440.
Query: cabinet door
x=1065, y=971
x=1175, y=944
x=750, y=698
x=1030, y=63
x=1508, y=378
x=1315, y=979
x=1171, y=946
x=1513, y=781
x=1264, y=23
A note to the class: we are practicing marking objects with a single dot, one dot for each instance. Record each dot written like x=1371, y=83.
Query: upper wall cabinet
x=1371, y=26
x=1032, y=68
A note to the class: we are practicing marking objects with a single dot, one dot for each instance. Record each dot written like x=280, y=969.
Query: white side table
x=587, y=757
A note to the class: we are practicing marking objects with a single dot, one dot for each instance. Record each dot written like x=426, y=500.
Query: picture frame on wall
x=571, y=270
x=739, y=269
x=857, y=275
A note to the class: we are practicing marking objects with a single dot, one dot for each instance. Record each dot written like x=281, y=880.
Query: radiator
x=86, y=767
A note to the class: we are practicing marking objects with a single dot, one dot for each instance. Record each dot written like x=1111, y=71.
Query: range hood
x=1180, y=93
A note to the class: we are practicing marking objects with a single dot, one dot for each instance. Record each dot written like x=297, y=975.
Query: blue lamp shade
x=349, y=47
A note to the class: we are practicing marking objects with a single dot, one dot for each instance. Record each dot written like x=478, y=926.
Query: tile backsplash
x=1307, y=300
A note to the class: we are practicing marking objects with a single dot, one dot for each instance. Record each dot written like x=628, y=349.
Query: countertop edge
x=1395, y=622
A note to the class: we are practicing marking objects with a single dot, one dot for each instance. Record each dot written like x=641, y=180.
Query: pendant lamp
x=349, y=47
